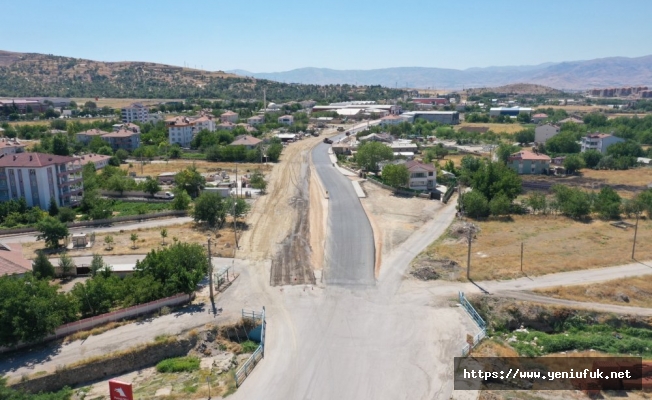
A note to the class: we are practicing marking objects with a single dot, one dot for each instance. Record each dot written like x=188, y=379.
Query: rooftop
x=6, y=142
x=246, y=140
x=93, y=132
x=12, y=260
x=598, y=135
x=412, y=165
x=228, y=113
x=121, y=133
x=88, y=158
x=24, y=160
x=528, y=155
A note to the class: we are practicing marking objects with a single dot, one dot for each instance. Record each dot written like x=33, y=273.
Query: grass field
x=552, y=244
x=155, y=169
x=638, y=292
x=47, y=122
x=497, y=128
x=118, y=103
x=635, y=177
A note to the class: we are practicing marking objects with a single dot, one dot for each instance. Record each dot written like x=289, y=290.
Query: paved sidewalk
x=358, y=189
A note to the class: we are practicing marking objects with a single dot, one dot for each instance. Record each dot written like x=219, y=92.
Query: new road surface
x=349, y=257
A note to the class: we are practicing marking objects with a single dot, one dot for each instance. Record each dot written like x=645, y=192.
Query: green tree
x=95, y=144
x=122, y=155
x=239, y=210
x=181, y=200
x=475, y=204
x=178, y=268
x=258, y=181
x=572, y=202
x=504, y=151
x=133, y=237
x=211, y=209
x=52, y=230
x=537, y=202
x=573, y=163
x=607, y=203
x=500, y=205
x=108, y=242
x=564, y=142
x=119, y=183
x=42, y=267
x=371, y=153
x=97, y=264
x=191, y=181
x=592, y=158
x=60, y=145
x=396, y=175
x=493, y=178
x=274, y=152
x=524, y=118
x=66, y=264
x=524, y=136
x=66, y=214
x=53, y=210
x=164, y=234
x=151, y=186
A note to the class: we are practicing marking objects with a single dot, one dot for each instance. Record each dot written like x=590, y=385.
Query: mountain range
x=571, y=75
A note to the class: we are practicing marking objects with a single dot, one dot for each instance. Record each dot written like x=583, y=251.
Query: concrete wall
x=140, y=358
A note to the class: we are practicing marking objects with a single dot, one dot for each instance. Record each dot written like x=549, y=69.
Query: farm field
x=156, y=168
x=497, y=128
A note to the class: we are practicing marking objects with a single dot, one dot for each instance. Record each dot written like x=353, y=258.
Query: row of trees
x=31, y=307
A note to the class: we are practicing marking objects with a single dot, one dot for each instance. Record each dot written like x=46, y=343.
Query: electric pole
x=635, y=232
x=210, y=270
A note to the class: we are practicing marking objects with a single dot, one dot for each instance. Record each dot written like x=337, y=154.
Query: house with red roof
x=422, y=176
x=529, y=163
x=12, y=261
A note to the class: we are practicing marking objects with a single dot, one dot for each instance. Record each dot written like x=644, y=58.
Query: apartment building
x=123, y=139
x=286, y=119
x=86, y=136
x=599, y=142
x=10, y=146
x=38, y=177
x=135, y=112
x=180, y=131
x=229, y=116
x=256, y=120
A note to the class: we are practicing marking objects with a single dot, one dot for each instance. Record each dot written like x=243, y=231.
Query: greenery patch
x=179, y=364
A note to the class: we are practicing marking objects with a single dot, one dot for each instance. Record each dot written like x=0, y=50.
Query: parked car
x=164, y=195
x=328, y=141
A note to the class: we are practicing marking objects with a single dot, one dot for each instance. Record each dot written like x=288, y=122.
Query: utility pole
x=468, y=256
x=635, y=232
x=210, y=270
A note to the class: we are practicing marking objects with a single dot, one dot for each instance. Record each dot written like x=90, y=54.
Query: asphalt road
x=350, y=253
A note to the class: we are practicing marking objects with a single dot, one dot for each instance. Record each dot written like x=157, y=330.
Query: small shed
x=79, y=240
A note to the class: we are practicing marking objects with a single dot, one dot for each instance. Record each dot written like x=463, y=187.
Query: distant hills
x=573, y=75
x=33, y=74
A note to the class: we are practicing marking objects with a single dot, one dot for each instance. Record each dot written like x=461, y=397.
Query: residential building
x=256, y=120
x=422, y=176
x=341, y=148
x=10, y=146
x=12, y=261
x=247, y=127
x=544, y=132
x=128, y=126
x=156, y=117
x=99, y=160
x=135, y=112
x=391, y=120
x=123, y=139
x=574, y=120
x=286, y=137
x=86, y=136
x=248, y=141
x=378, y=137
x=443, y=117
x=599, y=142
x=528, y=163
x=403, y=146
x=23, y=106
x=226, y=126
x=286, y=119
x=536, y=118
x=180, y=131
x=437, y=101
x=38, y=177
x=204, y=122
x=510, y=111
x=229, y=116
x=369, y=106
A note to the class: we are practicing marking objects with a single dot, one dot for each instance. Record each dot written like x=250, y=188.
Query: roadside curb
x=378, y=244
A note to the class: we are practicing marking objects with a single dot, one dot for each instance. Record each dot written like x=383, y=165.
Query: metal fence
x=243, y=372
x=477, y=319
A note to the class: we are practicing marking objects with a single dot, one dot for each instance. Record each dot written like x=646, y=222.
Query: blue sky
x=270, y=36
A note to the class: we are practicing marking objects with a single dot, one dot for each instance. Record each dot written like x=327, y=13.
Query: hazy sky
x=270, y=36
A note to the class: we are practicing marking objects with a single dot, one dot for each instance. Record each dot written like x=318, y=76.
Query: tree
x=178, y=268
x=133, y=238
x=108, y=242
x=119, y=183
x=564, y=142
x=181, y=200
x=66, y=265
x=60, y=145
x=524, y=136
x=572, y=202
x=524, y=118
x=122, y=155
x=191, y=181
x=258, y=181
x=475, y=204
x=91, y=105
x=53, y=210
x=504, y=151
x=164, y=234
x=151, y=186
x=66, y=214
x=573, y=163
x=537, y=202
x=437, y=152
x=371, y=153
x=500, y=205
x=42, y=267
x=396, y=175
x=175, y=152
x=493, y=178
x=97, y=264
x=607, y=203
x=210, y=208
x=52, y=230
x=592, y=158
x=240, y=209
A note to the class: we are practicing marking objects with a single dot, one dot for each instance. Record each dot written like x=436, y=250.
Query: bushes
x=178, y=364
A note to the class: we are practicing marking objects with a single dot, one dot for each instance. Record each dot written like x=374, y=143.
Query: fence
x=249, y=365
x=477, y=319
x=102, y=222
x=125, y=313
x=449, y=192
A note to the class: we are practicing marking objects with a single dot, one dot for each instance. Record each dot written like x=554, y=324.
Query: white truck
x=164, y=195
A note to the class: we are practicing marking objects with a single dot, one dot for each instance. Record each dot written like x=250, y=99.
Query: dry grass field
x=497, y=128
x=634, y=177
x=552, y=244
x=149, y=239
x=119, y=103
x=157, y=168
x=47, y=122
x=637, y=291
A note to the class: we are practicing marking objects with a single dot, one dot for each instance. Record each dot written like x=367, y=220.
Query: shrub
x=179, y=364
x=249, y=346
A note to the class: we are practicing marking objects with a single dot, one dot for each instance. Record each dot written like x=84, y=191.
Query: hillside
x=31, y=74
x=575, y=75
x=517, y=88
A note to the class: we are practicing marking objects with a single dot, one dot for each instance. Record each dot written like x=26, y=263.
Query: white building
x=391, y=120
x=135, y=112
x=599, y=142
x=10, y=146
x=509, y=111
x=422, y=176
x=38, y=177
x=156, y=117
x=180, y=131
x=86, y=136
x=286, y=119
x=204, y=122
x=229, y=116
x=99, y=160
x=249, y=142
x=256, y=120
x=544, y=132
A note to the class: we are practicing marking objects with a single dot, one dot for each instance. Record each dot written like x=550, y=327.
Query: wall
x=143, y=357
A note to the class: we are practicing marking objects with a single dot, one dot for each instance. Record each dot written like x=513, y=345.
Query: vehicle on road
x=327, y=140
x=340, y=129
x=164, y=195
